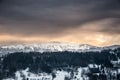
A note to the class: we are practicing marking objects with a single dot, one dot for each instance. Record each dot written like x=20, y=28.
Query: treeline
x=46, y=62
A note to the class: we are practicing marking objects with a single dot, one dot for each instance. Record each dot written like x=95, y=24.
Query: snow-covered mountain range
x=51, y=47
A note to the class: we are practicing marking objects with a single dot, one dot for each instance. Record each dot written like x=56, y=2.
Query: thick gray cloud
x=46, y=17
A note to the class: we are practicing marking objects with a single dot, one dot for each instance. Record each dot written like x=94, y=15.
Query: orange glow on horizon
x=94, y=39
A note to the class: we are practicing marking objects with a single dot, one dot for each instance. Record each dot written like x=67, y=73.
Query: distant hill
x=52, y=47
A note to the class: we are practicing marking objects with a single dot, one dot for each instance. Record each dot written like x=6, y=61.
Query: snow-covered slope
x=50, y=47
x=59, y=75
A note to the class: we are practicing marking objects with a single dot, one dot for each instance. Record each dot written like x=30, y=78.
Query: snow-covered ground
x=60, y=75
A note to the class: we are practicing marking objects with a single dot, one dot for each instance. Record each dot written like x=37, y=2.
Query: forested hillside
x=48, y=61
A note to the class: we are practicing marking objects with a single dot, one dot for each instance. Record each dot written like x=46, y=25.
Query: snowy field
x=59, y=75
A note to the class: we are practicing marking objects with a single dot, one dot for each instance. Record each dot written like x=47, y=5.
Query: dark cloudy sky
x=95, y=22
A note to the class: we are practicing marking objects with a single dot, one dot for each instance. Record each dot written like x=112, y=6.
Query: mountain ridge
x=52, y=47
